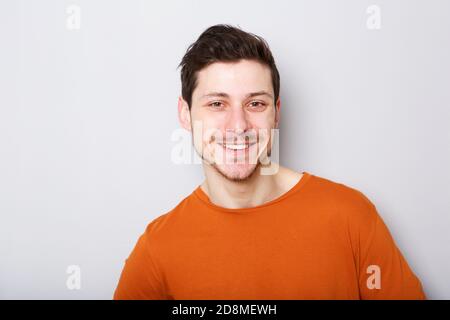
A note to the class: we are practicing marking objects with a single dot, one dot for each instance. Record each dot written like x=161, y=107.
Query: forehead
x=234, y=78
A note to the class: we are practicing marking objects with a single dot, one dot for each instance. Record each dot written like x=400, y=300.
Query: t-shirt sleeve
x=383, y=271
x=141, y=278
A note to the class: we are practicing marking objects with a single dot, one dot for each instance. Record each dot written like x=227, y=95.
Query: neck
x=254, y=191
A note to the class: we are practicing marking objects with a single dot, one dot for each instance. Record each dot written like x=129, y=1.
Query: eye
x=258, y=105
x=216, y=105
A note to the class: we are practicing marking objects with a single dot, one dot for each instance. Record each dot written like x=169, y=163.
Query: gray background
x=87, y=116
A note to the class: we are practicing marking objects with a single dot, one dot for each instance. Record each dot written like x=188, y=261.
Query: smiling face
x=231, y=116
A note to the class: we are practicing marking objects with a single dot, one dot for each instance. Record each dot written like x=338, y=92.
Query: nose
x=237, y=121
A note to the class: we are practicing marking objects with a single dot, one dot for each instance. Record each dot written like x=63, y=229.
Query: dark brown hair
x=224, y=43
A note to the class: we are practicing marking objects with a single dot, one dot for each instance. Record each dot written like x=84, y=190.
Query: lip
x=237, y=146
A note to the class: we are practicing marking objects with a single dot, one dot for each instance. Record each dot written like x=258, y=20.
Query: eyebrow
x=226, y=95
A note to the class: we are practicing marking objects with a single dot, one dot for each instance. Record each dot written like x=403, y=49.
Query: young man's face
x=232, y=114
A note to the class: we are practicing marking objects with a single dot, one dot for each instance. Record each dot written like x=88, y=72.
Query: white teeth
x=236, y=146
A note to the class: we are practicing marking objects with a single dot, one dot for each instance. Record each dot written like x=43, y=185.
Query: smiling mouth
x=237, y=146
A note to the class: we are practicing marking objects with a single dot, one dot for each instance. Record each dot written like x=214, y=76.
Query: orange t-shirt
x=320, y=240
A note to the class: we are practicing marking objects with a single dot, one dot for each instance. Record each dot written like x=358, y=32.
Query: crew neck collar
x=200, y=194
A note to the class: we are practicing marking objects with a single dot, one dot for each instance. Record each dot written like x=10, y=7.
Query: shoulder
x=347, y=200
x=167, y=224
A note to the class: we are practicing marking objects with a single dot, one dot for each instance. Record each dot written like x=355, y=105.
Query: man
x=253, y=229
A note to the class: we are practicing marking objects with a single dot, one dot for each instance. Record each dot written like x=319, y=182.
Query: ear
x=184, y=116
x=277, y=112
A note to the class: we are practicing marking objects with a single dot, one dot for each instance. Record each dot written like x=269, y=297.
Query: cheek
x=212, y=128
x=211, y=134
x=205, y=125
x=263, y=127
x=265, y=119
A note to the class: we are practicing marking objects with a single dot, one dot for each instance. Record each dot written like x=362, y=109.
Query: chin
x=237, y=172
